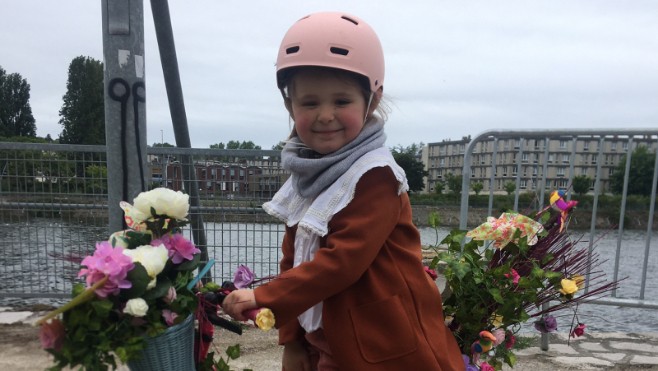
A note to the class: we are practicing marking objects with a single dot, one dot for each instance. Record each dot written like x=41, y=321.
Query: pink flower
x=514, y=275
x=578, y=331
x=243, y=277
x=499, y=334
x=510, y=340
x=169, y=316
x=179, y=247
x=52, y=335
x=431, y=272
x=484, y=366
x=170, y=296
x=107, y=261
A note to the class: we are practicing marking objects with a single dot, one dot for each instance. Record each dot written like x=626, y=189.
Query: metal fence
x=53, y=209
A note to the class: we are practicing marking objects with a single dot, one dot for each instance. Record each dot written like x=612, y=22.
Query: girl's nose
x=326, y=114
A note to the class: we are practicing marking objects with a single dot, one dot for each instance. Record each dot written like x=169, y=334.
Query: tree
x=510, y=187
x=477, y=187
x=581, y=184
x=454, y=183
x=16, y=118
x=235, y=144
x=439, y=187
x=407, y=158
x=640, y=176
x=83, y=113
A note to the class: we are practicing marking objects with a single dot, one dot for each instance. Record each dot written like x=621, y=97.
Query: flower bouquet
x=529, y=269
x=138, y=285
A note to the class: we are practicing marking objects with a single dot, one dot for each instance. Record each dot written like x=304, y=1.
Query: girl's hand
x=238, y=302
x=295, y=357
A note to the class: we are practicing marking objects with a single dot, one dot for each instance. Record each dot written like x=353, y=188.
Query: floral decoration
x=534, y=269
x=137, y=284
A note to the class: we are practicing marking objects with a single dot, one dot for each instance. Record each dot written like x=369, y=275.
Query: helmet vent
x=292, y=50
x=341, y=51
x=350, y=19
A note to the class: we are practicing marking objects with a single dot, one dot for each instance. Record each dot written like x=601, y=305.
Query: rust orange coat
x=381, y=310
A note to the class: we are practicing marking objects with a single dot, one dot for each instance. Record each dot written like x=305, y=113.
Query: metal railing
x=53, y=209
x=635, y=294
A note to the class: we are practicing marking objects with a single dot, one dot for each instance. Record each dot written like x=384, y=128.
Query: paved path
x=19, y=349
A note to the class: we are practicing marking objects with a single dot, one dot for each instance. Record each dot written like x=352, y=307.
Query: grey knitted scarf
x=312, y=172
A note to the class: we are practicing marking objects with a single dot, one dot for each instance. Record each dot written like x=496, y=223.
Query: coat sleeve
x=291, y=330
x=356, y=235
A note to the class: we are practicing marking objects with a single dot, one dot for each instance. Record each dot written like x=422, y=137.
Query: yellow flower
x=265, y=319
x=569, y=287
x=496, y=320
x=580, y=280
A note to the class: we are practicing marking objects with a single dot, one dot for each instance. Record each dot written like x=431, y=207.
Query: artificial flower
x=431, y=272
x=136, y=307
x=499, y=334
x=52, y=334
x=496, y=320
x=579, y=279
x=262, y=317
x=153, y=258
x=569, y=287
x=546, y=324
x=110, y=262
x=178, y=247
x=503, y=229
x=169, y=316
x=171, y=295
x=467, y=363
x=484, y=366
x=510, y=340
x=514, y=275
x=243, y=277
x=164, y=201
x=578, y=331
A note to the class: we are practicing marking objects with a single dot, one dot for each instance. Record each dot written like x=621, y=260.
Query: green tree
x=510, y=187
x=477, y=187
x=83, y=113
x=581, y=184
x=640, y=175
x=407, y=158
x=454, y=183
x=16, y=118
x=235, y=144
x=439, y=187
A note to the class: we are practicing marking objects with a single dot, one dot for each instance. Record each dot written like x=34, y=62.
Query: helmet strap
x=368, y=107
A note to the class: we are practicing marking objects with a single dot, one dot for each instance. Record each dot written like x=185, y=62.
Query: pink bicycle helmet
x=336, y=40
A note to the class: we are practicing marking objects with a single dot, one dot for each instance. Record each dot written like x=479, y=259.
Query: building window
x=560, y=171
x=563, y=144
x=523, y=184
x=624, y=146
x=613, y=146
x=565, y=158
x=586, y=145
x=551, y=158
x=524, y=157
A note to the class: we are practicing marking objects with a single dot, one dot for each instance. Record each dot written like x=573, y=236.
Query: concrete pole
x=125, y=107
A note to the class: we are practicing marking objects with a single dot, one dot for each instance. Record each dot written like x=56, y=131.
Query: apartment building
x=563, y=156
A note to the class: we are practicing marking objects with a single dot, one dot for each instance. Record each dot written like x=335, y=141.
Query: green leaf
x=496, y=295
x=510, y=359
x=233, y=351
x=161, y=289
x=102, y=307
x=189, y=264
x=139, y=279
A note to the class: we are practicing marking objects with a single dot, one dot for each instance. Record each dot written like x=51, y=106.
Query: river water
x=49, y=269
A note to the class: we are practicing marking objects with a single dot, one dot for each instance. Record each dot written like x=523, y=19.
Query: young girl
x=352, y=293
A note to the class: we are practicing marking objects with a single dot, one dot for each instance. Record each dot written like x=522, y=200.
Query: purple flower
x=107, y=261
x=179, y=247
x=468, y=364
x=546, y=324
x=243, y=277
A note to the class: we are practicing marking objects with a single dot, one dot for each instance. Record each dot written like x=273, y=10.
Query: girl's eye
x=343, y=102
x=308, y=104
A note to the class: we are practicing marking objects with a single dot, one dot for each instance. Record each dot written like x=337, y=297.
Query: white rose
x=165, y=201
x=136, y=307
x=153, y=258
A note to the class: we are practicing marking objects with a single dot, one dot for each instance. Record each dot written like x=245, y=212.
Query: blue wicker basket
x=173, y=350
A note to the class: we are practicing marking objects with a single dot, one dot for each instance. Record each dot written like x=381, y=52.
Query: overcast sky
x=453, y=68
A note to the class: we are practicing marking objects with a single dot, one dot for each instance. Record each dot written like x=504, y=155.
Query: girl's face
x=328, y=110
